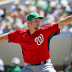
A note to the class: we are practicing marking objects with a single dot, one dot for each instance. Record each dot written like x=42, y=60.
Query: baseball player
x=35, y=42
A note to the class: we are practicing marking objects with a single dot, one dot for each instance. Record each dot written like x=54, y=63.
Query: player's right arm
x=4, y=37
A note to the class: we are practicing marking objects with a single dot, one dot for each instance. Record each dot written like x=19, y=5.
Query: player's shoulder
x=49, y=26
x=21, y=30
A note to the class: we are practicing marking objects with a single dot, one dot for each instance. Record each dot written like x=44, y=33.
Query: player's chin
x=36, y=28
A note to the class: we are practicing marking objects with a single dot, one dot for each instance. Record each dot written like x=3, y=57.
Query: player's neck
x=32, y=31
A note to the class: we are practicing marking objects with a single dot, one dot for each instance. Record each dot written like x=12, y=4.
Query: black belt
x=39, y=63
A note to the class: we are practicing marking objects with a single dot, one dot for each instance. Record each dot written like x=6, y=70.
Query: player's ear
x=28, y=22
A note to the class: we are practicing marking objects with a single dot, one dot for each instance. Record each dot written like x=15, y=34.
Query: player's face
x=35, y=23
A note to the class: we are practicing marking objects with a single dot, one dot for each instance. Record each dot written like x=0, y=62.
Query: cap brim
x=38, y=17
x=41, y=17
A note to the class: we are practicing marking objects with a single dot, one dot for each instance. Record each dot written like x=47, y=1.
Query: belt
x=40, y=63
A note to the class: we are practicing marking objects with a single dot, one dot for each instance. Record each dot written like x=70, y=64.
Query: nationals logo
x=39, y=39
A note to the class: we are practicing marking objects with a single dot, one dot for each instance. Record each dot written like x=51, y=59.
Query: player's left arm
x=65, y=21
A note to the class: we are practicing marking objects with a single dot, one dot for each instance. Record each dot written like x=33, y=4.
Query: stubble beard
x=36, y=28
